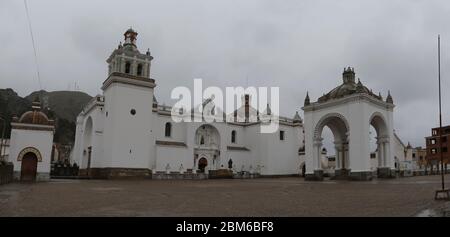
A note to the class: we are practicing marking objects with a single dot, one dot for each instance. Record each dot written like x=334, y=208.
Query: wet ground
x=412, y=196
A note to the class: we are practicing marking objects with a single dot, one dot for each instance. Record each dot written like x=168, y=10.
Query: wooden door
x=29, y=167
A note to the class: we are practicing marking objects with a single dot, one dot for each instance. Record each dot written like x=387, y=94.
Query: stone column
x=338, y=148
x=317, y=164
x=194, y=169
x=387, y=152
x=345, y=156
x=317, y=154
x=383, y=154
x=379, y=152
x=384, y=171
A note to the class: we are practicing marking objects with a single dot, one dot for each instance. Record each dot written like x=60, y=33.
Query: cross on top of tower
x=130, y=36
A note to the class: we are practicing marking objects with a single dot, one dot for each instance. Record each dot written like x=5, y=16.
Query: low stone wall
x=6, y=173
x=177, y=175
x=245, y=175
x=220, y=174
x=116, y=173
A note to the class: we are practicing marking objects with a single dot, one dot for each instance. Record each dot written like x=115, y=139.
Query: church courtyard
x=253, y=197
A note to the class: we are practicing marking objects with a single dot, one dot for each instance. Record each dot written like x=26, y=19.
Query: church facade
x=125, y=132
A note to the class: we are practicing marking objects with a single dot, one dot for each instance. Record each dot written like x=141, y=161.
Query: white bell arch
x=349, y=110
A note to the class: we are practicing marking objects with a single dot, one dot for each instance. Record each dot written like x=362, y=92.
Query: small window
x=433, y=151
x=139, y=70
x=233, y=136
x=414, y=155
x=433, y=141
x=282, y=135
x=202, y=140
x=168, y=131
x=133, y=112
x=434, y=132
x=128, y=67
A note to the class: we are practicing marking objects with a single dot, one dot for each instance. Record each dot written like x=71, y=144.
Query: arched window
x=139, y=70
x=281, y=135
x=202, y=140
x=127, y=67
x=168, y=129
x=233, y=136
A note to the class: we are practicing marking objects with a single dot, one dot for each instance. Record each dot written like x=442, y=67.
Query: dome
x=35, y=117
x=130, y=30
x=348, y=87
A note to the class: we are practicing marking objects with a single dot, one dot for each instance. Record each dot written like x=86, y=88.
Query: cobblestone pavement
x=258, y=197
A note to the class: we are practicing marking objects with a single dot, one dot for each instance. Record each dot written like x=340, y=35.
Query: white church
x=126, y=133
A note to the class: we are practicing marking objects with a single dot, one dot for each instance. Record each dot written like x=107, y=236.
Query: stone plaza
x=275, y=197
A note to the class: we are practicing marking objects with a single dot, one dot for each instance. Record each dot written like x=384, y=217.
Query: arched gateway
x=349, y=110
x=206, y=149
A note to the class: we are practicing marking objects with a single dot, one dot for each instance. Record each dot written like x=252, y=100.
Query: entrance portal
x=29, y=167
x=202, y=163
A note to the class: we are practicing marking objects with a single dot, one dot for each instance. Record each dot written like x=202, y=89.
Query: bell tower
x=127, y=59
x=128, y=115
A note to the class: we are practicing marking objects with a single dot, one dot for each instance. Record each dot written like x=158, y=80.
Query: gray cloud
x=297, y=45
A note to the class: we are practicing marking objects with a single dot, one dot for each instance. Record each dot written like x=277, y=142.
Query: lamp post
x=443, y=194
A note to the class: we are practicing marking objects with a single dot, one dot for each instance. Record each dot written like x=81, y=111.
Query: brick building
x=434, y=147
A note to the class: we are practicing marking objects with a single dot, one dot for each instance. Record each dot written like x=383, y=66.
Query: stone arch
x=168, y=130
x=87, y=142
x=336, y=122
x=140, y=69
x=340, y=128
x=202, y=163
x=302, y=168
x=210, y=134
x=128, y=67
x=28, y=169
x=29, y=150
x=378, y=121
x=207, y=145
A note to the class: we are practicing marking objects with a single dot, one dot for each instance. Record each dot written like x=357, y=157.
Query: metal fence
x=6, y=172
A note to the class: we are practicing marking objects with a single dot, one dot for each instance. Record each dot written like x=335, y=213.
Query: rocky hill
x=62, y=106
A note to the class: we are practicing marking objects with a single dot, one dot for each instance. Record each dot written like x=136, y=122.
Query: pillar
x=384, y=169
x=338, y=150
x=317, y=164
x=380, y=152
x=318, y=154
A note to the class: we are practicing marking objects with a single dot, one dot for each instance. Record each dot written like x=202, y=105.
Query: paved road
x=257, y=197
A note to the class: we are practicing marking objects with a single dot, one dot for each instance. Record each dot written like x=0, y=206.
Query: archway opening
x=328, y=153
x=332, y=134
x=29, y=167
x=378, y=142
x=207, y=147
x=87, y=144
x=373, y=148
x=202, y=163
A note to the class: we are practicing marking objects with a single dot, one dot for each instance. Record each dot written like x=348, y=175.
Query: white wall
x=41, y=140
x=357, y=114
x=175, y=157
x=128, y=139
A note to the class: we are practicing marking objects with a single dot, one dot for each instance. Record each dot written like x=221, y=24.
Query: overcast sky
x=297, y=45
